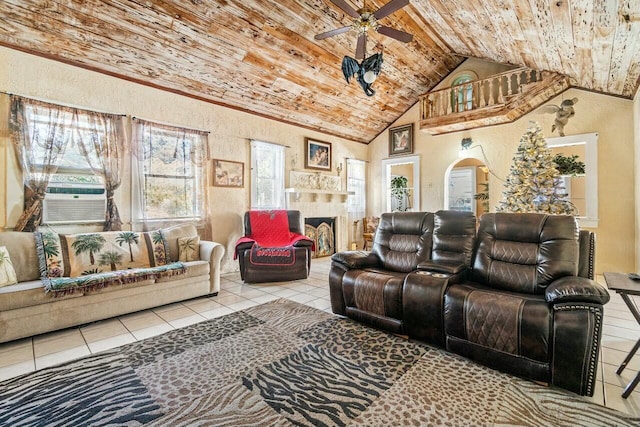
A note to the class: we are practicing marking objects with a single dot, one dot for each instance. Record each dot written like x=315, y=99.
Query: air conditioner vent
x=59, y=208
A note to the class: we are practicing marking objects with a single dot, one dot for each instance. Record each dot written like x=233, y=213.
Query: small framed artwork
x=317, y=154
x=228, y=174
x=401, y=140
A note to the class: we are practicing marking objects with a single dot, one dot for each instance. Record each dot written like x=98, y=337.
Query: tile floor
x=26, y=355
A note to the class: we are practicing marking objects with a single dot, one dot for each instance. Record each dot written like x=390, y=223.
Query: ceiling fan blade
x=346, y=8
x=332, y=33
x=389, y=8
x=361, y=47
x=395, y=34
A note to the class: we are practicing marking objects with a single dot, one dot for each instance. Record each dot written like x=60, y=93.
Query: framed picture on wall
x=317, y=154
x=401, y=140
x=228, y=174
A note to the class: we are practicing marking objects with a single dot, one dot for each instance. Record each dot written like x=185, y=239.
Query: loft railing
x=474, y=95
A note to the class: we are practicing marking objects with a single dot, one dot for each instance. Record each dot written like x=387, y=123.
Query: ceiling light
x=365, y=73
x=370, y=76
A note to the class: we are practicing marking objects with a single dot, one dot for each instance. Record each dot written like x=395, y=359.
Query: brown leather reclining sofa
x=517, y=296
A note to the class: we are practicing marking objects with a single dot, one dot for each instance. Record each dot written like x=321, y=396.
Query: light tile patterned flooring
x=26, y=355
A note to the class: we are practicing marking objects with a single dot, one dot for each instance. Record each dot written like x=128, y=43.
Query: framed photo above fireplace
x=228, y=174
x=317, y=154
x=401, y=140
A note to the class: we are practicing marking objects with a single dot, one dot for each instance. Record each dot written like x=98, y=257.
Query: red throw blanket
x=270, y=229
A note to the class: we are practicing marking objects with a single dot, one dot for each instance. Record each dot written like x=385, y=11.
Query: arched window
x=462, y=94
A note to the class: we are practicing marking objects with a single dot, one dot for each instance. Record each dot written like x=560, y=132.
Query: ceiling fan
x=366, y=19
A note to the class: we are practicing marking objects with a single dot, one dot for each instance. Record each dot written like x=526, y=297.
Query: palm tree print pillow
x=74, y=255
x=189, y=249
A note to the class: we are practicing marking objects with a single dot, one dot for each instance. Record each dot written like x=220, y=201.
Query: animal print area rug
x=286, y=364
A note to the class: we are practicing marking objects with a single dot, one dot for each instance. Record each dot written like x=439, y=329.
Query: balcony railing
x=490, y=92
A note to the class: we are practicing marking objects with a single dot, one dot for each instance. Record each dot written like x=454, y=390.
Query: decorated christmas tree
x=533, y=183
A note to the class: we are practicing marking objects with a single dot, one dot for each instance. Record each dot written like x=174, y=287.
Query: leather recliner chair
x=253, y=273
x=525, y=309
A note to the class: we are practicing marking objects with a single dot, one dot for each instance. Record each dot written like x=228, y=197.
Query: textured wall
x=611, y=117
x=230, y=132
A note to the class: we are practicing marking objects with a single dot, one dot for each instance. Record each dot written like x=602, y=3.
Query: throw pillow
x=189, y=248
x=50, y=254
x=7, y=273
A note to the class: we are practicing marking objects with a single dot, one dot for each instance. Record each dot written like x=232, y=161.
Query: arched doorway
x=466, y=185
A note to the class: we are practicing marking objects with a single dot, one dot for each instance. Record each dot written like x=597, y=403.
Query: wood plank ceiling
x=260, y=56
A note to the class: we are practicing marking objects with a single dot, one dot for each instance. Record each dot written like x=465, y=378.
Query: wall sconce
x=466, y=143
x=339, y=168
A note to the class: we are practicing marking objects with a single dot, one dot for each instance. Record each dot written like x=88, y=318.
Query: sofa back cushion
x=525, y=252
x=171, y=236
x=454, y=234
x=403, y=240
x=21, y=247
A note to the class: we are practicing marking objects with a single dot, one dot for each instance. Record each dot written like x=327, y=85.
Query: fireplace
x=322, y=231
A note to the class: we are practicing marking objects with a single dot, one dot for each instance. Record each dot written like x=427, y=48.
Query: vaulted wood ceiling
x=260, y=56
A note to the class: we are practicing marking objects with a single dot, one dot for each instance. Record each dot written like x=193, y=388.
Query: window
x=356, y=183
x=582, y=189
x=461, y=94
x=70, y=158
x=72, y=161
x=169, y=172
x=267, y=176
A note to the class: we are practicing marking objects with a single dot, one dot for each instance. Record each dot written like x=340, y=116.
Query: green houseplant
x=569, y=165
x=400, y=191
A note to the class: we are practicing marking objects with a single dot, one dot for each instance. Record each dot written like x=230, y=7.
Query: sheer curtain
x=169, y=175
x=103, y=147
x=40, y=133
x=267, y=176
x=357, y=202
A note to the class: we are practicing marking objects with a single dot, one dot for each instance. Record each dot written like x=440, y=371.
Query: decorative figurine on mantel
x=563, y=113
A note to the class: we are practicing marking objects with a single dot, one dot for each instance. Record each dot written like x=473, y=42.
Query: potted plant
x=400, y=191
x=569, y=165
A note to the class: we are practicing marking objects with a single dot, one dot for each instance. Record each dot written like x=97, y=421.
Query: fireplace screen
x=322, y=232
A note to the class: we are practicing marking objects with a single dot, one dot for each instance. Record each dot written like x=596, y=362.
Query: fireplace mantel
x=297, y=192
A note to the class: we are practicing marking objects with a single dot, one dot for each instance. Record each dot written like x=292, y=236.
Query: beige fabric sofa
x=26, y=310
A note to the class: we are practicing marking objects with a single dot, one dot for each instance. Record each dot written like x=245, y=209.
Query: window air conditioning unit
x=74, y=203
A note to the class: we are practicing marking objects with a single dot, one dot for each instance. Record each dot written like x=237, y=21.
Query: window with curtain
x=62, y=146
x=169, y=174
x=267, y=175
x=357, y=202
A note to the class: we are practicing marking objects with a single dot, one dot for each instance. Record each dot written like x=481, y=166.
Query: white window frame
x=357, y=194
x=589, y=218
x=139, y=181
x=259, y=173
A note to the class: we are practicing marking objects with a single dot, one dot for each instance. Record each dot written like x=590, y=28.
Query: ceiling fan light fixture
x=370, y=76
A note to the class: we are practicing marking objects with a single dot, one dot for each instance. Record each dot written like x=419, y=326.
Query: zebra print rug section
x=286, y=364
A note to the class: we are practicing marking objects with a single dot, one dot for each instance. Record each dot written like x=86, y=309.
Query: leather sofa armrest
x=356, y=259
x=448, y=267
x=576, y=289
x=212, y=252
x=303, y=244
